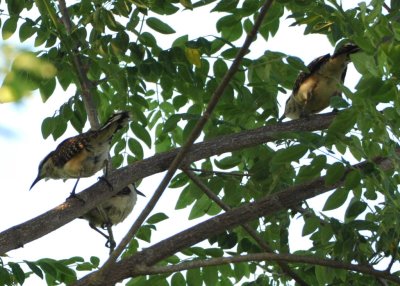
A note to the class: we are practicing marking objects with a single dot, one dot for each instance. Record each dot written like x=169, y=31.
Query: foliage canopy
x=111, y=54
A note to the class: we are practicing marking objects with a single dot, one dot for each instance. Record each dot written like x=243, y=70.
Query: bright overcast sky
x=23, y=147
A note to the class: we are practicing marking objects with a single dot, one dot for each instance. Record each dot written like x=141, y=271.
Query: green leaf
x=110, y=21
x=156, y=218
x=95, y=261
x=26, y=30
x=290, y=154
x=117, y=160
x=9, y=27
x=210, y=275
x=334, y=173
x=34, y=268
x=228, y=162
x=311, y=171
x=297, y=63
x=214, y=252
x=352, y=180
x=18, y=272
x=365, y=64
x=85, y=266
x=144, y=233
x=241, y=270
x=59, y=128
x=171, y=123
x=136, y=148
x=355, y=209
x=200, y=207
x=336, y=199
x=159, y=26
x=5, y=277
x=47, y=266
x=321, y=274
x=67, y=273
x=47, y=88
x=311, y=224
x=181, y=41
x=47, y=126
x=343, y=122
x=193, y=277
x=141, y=133
x=225, y=6
x=178, y=280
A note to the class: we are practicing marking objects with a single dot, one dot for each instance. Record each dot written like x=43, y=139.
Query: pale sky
x=24, y=148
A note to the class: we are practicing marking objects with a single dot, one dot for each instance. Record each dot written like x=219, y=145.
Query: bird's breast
x=85, y=164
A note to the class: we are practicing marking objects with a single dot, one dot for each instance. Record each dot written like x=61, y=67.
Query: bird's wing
x=312, y=68
x=68, y=149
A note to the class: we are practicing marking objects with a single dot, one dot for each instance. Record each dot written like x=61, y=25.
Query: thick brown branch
x=287, y=258
x=191, y=139
x=266, y=206
x=19, y=235
x=259, y=240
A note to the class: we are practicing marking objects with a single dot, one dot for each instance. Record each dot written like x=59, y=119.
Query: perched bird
x=313, y=89
x=113, y=211
x=82, y=155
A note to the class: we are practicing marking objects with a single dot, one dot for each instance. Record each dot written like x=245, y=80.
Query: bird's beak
x=140, y=193
x=133, y=188
x=38, y=178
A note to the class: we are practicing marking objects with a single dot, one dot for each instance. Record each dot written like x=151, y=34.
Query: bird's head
x=44, y=169
x=347, y=49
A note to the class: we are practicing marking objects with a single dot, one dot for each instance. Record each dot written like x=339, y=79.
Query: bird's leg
x=105, y=176
x=99, y=231
x=73, y=194
x=110, y=242
x=73, y=190
x=104, y=179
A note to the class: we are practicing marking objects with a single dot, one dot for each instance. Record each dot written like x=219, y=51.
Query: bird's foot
x=111, y=244
x=104, y=179
x=75, y=196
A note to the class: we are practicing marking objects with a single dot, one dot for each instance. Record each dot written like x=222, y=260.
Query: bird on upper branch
x=113, y=211
x=82, y=155
x=313, y=90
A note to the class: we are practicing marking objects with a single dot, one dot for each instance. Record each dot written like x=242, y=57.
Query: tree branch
x=85, y=83
x=259, y=240
x=192, y=137
x=268, y=205
x=283, y=258
x=19, y=235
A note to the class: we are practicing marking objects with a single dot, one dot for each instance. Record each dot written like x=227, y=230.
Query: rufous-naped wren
x=313, y=90
x=82, y=155
x=113, y=211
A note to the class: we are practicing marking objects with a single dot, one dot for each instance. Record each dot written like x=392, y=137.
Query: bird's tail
x=113, y=124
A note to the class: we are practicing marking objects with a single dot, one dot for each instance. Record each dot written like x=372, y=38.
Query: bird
x=83, y=155
x=313, y=89
x=113, y=211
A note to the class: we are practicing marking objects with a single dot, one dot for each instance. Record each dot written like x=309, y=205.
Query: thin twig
x=192, y=137
x=288, y=258
x=388, y=9
x=264, y=246
x=85, y=83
